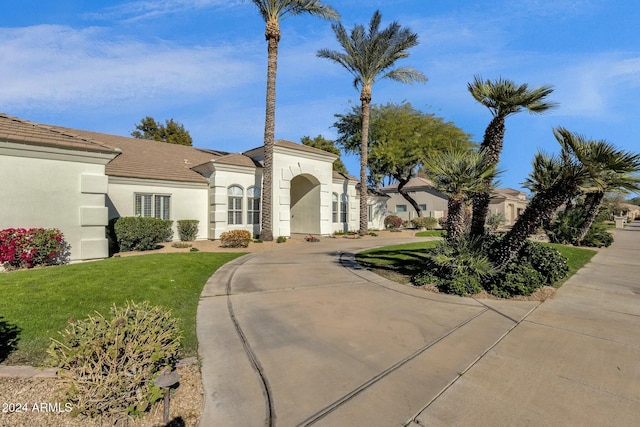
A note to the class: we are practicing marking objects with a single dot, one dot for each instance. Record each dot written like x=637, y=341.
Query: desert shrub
x=392, y=222
x=142, y=233
x=425, y=222
x=109, y=364
x=188, y=229
x=457, y=268
x=27, y=248
x=442, y=221
x=235, y=239
x=181, y=245
x=281, y=239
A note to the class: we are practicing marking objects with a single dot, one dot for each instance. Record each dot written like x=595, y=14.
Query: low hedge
x=141, y=233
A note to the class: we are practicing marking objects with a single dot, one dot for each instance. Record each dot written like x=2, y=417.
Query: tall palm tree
x=503, y=98
x=458, y=174
x=369, y=55
x=273, y=11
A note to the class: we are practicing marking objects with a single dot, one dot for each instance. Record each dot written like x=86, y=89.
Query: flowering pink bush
x=27, y=248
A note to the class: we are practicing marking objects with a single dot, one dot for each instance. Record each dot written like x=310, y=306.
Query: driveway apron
x=301, y=335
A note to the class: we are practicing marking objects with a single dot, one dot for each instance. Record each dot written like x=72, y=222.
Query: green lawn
x=576, y=257
x=40, y=302
x=430, y=233
x=406, y=260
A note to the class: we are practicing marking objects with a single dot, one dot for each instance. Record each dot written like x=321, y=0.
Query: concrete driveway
x=301, y=335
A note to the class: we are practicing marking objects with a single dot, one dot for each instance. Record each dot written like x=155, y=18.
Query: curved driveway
x=301, y=335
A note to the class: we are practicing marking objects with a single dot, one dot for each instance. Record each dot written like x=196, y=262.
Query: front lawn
x=401, y=262
x=40, y=302
x=430, y=233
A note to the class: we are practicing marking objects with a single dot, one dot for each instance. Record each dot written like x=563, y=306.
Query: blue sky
x=104, y=65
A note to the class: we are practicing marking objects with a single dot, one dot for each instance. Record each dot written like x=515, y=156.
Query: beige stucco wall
x=289, y=163
x=188, y=200
x=56, y=188
x=436, y=204
x=222, y=178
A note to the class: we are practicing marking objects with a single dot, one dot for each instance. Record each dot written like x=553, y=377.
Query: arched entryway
x=305, y=205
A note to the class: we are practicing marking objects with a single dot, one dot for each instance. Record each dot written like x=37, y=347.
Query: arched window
x=334, y=207
x=234, y=194
x=253, y=205
x=344, y=208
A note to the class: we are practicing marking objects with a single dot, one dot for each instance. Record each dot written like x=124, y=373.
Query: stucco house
x=77, y=180
x=511, y=203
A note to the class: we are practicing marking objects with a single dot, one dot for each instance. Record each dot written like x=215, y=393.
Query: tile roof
x=237, y=159
x=340, y=175
x=415, y=182
x=146, y=159
x=13, y=129
x=295, y=146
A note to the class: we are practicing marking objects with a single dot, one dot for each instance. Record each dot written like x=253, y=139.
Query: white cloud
x=58, y=65
x=139, y=10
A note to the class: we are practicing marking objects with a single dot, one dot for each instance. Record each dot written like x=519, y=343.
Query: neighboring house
x=631, y=211
x=432, y=202
x=76, y=180
x=511, y=203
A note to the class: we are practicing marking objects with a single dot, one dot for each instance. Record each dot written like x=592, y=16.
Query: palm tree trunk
x=365, y=99
x=455, y=218
x=272, y=34
x=592, y=203
x=492, y=147
x=539, y=212
x=401, y=183
x=479, y=213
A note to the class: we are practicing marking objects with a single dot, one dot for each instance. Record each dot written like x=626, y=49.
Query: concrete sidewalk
x=302, y=336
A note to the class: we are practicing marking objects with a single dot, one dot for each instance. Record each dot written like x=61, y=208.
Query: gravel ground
x=36, y=402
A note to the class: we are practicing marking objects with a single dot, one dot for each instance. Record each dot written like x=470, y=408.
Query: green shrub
x=194, y=250
x=516, y=279
x=456, y=268
x=109, y=364
x=392, y=222
x=27, y=248
x=598, y=236
x=463, y=284
x=181, y=245
x=494, y=221
x=425, y=222
x=281, y=239
x=546, y=260
x=142, y=233
x=235, y=239
x=188, y=229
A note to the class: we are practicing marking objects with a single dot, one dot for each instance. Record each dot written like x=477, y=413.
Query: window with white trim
x=334, y=207
x=344, y=208
x=234, y=209
x=253, y=205
x=152, y=205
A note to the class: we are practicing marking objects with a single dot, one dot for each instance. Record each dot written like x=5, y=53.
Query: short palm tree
x=611, y=170
x=273, y=11
x=503, y=98
x=581, y=165
x=458, y=174
x=370, y=55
